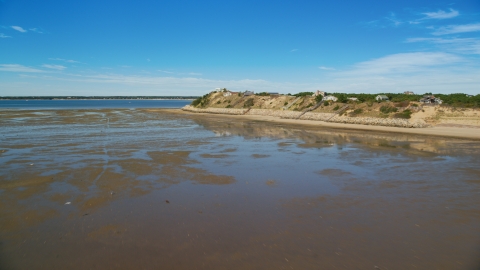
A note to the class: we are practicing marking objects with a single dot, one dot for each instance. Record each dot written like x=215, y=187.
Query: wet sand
x=153, y=189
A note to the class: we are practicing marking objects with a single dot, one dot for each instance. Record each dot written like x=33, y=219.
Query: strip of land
x=403, y=115
x=471, y=132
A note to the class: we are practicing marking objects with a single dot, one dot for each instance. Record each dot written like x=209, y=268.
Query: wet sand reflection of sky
x=144, y=188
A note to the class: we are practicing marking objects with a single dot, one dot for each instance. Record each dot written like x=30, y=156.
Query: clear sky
x=105, y=47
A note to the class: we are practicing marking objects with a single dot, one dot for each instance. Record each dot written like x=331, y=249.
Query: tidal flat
x=152, y=189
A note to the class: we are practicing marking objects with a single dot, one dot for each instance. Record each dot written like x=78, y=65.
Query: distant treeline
x=97, y=97
x=457, y=99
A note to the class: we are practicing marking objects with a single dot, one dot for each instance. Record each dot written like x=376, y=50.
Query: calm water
x=91, y=104
x=148, y=189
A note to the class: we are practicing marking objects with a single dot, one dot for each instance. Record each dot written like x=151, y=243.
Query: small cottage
x=332, y=98
x=430, y=99
x=229, y=93
x=381, y=98
x=319, y=93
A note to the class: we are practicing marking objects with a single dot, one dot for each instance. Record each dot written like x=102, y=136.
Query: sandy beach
x=470, y=132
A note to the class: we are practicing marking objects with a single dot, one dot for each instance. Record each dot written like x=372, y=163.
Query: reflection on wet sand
x=401, y=218
x=149, y=189
x=311, y=137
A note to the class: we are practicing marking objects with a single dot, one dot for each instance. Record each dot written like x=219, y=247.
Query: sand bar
x=463, y=132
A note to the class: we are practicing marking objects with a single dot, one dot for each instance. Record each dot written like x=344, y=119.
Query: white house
x=319, y=93
x=332, y=98
x=381, y=98
x=229, y=93
x=353, y=98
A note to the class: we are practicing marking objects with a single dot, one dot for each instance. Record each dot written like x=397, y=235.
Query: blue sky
x=179, y=47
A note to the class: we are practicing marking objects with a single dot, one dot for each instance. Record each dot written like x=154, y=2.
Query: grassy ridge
x=457, y=99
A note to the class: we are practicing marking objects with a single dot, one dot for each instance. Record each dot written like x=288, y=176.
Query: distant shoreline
x=61, y=104
x=26, y=99
x=96, y=98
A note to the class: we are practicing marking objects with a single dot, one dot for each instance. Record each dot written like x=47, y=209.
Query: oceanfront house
x=248, y=93
x=319, y=93
x=430, y=99
x=229, y=93
x=330, y=98
x=381, y=98
x=273, y=93
x=409, y=93
x=353, y=98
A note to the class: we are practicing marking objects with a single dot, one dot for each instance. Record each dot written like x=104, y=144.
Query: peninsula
x=455, y=115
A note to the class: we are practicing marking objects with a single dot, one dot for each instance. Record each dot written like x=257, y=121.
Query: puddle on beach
x=128, y=189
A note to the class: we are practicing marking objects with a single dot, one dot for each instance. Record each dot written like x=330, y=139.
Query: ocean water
x=91, y=104
x=154, y=189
